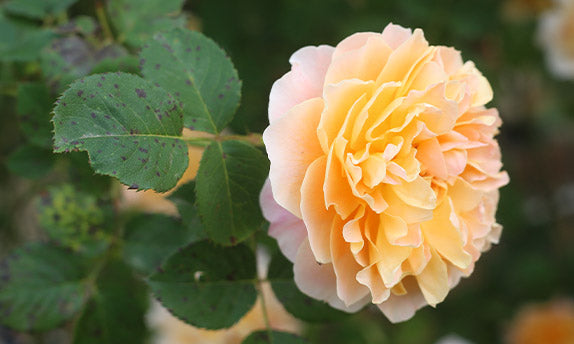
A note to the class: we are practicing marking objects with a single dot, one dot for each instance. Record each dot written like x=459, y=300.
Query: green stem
x=48, y=20
x=198, y=141
x=103, y=20
x=62, y=18
x=259, y=286
x=11, y=91
x=264, y=309
x=92, y=278
x=254, y=139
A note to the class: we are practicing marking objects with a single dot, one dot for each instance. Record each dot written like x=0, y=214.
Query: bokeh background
x=534, y=262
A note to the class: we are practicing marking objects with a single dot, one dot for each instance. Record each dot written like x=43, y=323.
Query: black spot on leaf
x=141, y=93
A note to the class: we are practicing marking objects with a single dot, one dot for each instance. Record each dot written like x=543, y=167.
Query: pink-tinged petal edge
x=319, y=280
x=303, y=82
x=398, y=308
x=287, y=229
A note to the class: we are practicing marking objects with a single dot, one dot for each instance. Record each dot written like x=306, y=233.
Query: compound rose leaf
x=207, y=286
x=130, y=129
x=151, y=238
x=197, y=72
x=115, y=314
x=228, y=182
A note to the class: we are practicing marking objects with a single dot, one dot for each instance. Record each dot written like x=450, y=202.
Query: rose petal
x=292, y=145
x=319, y=281
x=287, y=229
x=433, y=280
x=318, y=220
x=399, y=308
x=395, y=35
x=346, y=268
x=362, y=63
x=303, y=82
x=442, y=234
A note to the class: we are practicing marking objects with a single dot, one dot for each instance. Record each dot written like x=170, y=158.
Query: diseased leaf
x=295, y=302
x=41, y=286
x=206, y=285
x=34, y=105
x=130, y=128
x=37, y=9
x=115, y=315
x=136, y=20
x=275, y=337
x=150, y=239
x=30, y=162
x=198, y=73
x=230, y=177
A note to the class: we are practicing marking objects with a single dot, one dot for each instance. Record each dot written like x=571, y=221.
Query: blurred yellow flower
x=518, y=9
x=549, y=323
x=384, y=170
x=556, y=36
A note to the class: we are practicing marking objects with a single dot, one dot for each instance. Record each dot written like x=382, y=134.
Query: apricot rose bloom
x=384, y=172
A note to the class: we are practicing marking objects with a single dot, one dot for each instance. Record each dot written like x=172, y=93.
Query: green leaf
x=207, y=286
x=34, y=105
x=184, y=199
x=82, y=176
x=41, y=286
x=130, y=128
x=150, y=239
x=73, y=219
x=20, y=41
x=295, y=302
x=136, y=20
x=198, y=72
x=37, y=9
x=30, y=162
x=276, y=337
x=115, y=315
x=230, y=177
x=127, y=63
x=112, y=52
x=363, y=328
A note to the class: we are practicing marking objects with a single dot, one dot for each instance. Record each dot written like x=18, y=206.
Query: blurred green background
x=534, y=261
